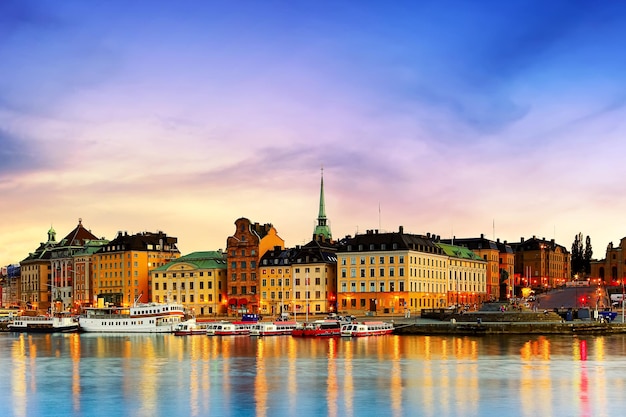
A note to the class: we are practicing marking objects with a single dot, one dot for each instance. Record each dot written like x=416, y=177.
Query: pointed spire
x=322, y=228
x=322, y=213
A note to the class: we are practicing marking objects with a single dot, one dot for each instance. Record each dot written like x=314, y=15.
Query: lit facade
x=197, y=281
x=390, y=272
x=541, y=263
x=121, y=267
x=244, y=250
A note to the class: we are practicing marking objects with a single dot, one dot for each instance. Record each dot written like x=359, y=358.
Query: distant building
x=196, y=280
x=541, y=263
x=244, y=250
x=121, y=267
x=11, y=288
x=612, y=269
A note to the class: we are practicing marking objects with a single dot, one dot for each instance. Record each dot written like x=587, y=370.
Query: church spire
x=322, y=228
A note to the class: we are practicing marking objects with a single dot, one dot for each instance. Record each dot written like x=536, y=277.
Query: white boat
x=140, y=318
x=57, y=322
x=237, y=328
x=367, y=328
x=276, y=328
x=190, y=328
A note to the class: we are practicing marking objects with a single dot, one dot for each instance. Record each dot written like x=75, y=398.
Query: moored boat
x=190, y=328
x=236, y=328
x=276, y=328
x=367, y=328
x=141, y=318
x=318, y=328
x=55, y=323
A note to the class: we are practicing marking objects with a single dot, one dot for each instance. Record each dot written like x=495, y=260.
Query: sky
x=455, y=118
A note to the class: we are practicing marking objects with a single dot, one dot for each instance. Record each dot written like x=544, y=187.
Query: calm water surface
x=165, y=375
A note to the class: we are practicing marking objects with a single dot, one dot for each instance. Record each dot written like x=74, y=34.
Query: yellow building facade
x=121, y=269
x=197, y=281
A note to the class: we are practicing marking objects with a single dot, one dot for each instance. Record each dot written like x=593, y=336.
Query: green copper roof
x=458, y=251
x=201, y=260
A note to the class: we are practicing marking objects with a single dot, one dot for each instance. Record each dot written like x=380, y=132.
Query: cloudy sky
x=502, y=118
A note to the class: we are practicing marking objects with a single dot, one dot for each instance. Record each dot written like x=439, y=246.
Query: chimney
x=401, y=230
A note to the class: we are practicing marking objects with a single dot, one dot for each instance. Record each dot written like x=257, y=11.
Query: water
x=165, y=375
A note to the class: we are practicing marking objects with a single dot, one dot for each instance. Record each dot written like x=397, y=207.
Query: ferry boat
x=367, y=328
x=318, y=328
x=55, y=323
x=237, y=328
x=276, y=328
x=190, y=328
x=140, y=318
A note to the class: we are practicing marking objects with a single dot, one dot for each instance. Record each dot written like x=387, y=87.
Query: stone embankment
x=501, y=323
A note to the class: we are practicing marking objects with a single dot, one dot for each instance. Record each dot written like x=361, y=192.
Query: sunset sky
x=502, y=118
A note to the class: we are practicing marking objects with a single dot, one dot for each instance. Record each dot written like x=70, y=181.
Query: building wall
x=244, y=250
x=312, y=287
x=611, y=269
x=390, y=281
x=36, y=276
x=275, y=290
x=201, y=290
x=467, y=284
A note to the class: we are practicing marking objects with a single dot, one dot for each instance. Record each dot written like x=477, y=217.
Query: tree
x=587, y=256
x=578, y=266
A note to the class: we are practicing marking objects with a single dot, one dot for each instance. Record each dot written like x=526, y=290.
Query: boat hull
x=43, y=329
x=36, y=324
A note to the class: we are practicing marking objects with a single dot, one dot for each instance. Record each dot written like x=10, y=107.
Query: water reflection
x=163, y=375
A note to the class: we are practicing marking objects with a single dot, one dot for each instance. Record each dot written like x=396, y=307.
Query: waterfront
x=165, y=375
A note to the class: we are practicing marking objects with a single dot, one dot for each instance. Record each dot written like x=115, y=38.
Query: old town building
x=541, y=263
x=48, y=273
x=390, y=272
x=467, y=276
x=244, y=249
x=121, y=267
x=196, y=280
x=612, y=269
x=493, y=253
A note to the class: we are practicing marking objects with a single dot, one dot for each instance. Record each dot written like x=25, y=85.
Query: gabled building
x=244, y=250
x=541, y=263
x=47, y=275
x=63, y=271
x=121, y=267
x=197, y=281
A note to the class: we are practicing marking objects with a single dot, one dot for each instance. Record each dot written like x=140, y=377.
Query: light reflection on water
x=165, y=375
